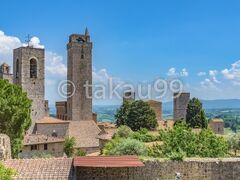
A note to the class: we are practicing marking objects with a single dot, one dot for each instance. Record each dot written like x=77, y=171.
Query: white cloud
x=202, y=74
x=34, y=42
x=172, y=72
x=233, y=73
x=184, y=72
x=54, y=64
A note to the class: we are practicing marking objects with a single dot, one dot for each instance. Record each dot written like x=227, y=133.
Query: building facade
x=5, y=72
x=79, y=73
x=28, y=69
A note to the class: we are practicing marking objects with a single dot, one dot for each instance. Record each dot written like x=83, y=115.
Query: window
x=33, y=68
x=17, y=68
x=34, y=147
x=45, y=146
x=82, y=54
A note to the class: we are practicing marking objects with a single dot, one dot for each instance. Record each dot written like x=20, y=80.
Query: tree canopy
x=195, y=116
x=136, y=115
x=15, y=114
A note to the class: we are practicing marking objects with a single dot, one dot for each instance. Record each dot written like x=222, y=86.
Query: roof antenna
x=28, y=40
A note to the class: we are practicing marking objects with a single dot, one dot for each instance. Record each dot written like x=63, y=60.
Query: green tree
x=234, y=143
x=15, y=114
x=195, y=116
x=69, y=144
x=80, y=152
x=141, y=115
x=211, y=145
x=6, y=173
x=122, y=113
x=125, y=147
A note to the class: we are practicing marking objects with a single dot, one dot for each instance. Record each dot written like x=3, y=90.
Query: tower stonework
x=180, y=105
x=28, y=72
x=79, y=105
x=5, y=72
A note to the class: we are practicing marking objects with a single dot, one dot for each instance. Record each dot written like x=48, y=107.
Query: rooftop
x=85, y=133
x=31, y=139
x=217, y=120
x=107, y=161
x=53, y=168
x=51, y=120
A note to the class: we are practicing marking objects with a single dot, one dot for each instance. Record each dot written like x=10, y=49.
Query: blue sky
x=139, y=40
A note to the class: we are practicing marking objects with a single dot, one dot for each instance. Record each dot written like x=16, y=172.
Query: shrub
x=125, y=147
x=6, y=173
x=80, y=152
x=234, y=143
x=123, y=132
x=142, y=135
x=69, y=144
x=176, y=156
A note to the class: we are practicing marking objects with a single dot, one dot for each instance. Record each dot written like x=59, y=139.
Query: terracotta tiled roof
x=85, y=133
x=44, y=169
x=216, y=120
x=31, y=139
x=51, y=120
x=107, y=161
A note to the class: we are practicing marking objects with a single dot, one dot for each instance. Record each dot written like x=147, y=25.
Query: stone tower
x=79, y=102
x=157, y=107
x=5, y=72
x=180, y=104
x=28, y=72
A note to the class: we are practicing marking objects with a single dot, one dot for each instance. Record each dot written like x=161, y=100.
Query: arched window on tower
x=17, y=68
x=82, y=54
x=33, y=68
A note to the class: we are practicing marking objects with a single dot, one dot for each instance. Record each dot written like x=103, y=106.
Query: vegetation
x=136, y=115
x=195, y=116
x=6, y=173
x=80, y=152
x=128, y=146
x=234, y=143
x=15, y=117
x=122, y=113
x=69, y=144
x=123, y=132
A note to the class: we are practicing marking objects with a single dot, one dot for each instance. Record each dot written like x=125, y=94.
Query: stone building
x=34, y=144
x=5, y=147
x=79, y=103
x=61, y=110
x=180, y=104
x=5, y=72
x=28, y=68
x=157, y=107
x=217, y=125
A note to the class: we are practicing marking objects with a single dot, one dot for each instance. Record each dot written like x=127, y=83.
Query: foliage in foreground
x=136, y=115
x=15, y=114
x=181, y=140
x=234, y=143
x=6, y=173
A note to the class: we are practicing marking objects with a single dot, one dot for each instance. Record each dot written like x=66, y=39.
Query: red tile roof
x=31, y=139
x=53, y=168
x=107, y=161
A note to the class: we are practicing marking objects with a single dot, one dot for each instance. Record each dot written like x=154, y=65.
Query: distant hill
x=211, y=104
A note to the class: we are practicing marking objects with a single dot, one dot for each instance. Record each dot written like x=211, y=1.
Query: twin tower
x=29, y=73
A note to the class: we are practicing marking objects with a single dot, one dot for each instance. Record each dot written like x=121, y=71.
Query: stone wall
x=5, y=147
x=198, y=169
x=180, y=105
x=157, y=107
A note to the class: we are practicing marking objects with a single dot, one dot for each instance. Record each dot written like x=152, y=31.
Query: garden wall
x=191, y=169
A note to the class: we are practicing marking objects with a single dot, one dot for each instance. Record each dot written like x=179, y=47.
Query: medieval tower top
x=28, y=72
x=79, y=74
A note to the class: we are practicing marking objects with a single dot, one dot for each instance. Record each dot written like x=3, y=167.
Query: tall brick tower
x=180, y=105
x=79, y=106
x=28, y=72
